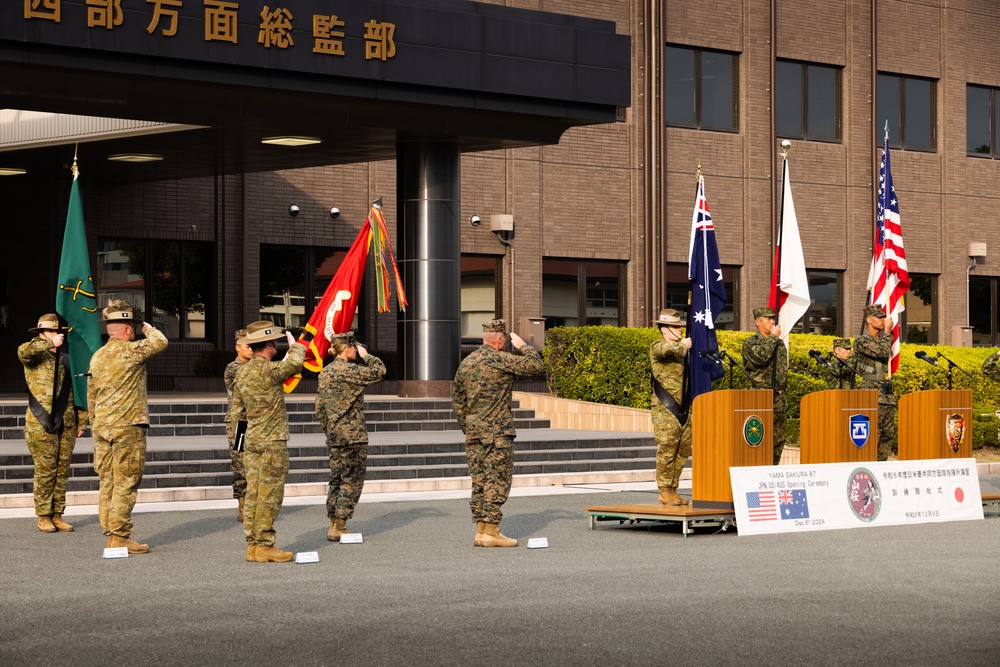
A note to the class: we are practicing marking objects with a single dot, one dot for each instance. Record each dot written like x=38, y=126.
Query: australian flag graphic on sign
x=793, y=504
x=859, y=430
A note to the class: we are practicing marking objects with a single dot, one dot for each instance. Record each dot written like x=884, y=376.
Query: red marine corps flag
x=335, y=311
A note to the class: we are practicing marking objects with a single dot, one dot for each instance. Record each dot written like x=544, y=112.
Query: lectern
x=839, y=426
x=731, y=427
x=936, y=424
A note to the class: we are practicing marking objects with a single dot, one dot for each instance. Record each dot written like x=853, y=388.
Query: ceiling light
x=12, y=171
x=291, y=141
x=136, y=157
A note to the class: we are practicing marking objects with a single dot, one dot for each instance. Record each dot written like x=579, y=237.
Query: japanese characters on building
x=220, y=24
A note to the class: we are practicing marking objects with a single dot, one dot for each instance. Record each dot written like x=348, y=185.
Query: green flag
x=75, y=297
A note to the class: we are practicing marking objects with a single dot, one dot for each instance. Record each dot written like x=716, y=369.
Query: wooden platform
x=687, y=516
x=991, y=500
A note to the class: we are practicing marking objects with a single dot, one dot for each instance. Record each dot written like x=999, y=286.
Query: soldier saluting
x=872, y=350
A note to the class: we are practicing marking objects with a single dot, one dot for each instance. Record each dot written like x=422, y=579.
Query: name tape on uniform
x=307, y=557
x=116, y=552
x=351, y=538
x=538, y=543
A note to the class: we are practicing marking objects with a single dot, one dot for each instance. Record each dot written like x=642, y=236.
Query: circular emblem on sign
x=864, y=495
x=753, y=431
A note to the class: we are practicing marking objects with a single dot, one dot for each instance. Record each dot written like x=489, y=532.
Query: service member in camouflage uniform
x=50, y=433
x=671, y=422
x=243, y=354
x=766, y=360
x=116, y=398
x=340, y=408
x=481, y=400
x=871, y=359
x=991, y=366
x=839, y=376
x=259, y=399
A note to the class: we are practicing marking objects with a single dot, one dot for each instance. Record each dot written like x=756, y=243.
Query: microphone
x=708, y=354
x=819, y=358
x=920, y=354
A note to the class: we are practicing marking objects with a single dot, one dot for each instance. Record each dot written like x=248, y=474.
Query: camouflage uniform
x=871, y=358
x=340, y=408
x=116, y=398
x=991, y=366
x=51, y=452
x=236, y=457
x=766, y=360
x=259, y=399
x=673, y=439
x=481, y=401
x=839, y=376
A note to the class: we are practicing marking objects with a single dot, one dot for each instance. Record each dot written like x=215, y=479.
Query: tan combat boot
x=239, y=509
x=271, y=554
x=669, y=496
x=492, y=537
x=45, y=524
x=252, y=553
x=478, y=542
x=134, y=548
x=60, y=524
x=337, y=528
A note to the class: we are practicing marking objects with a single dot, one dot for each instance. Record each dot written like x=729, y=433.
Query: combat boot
x=492, y=537
x=60, y=524
x=478, y=542
x=45, y=524
x=338, y=527
x=134, y=548
x=252, y=553
x=270, y=554
x=669, y=496
x=239, y=509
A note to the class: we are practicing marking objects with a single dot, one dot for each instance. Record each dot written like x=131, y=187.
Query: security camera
x=293, y=210
x=475, y=221
x=334, y=212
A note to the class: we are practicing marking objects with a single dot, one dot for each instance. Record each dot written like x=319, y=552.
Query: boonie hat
x=261, y=332
x=669, y=318
x=119, y=310
x=495, y=326
x=766, y=311
x=49, y=322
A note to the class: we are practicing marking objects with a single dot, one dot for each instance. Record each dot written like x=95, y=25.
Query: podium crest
x=860, y=428
x=753, y=431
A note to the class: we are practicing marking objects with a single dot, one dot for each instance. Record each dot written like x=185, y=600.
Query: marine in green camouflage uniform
x=481, y=399
x=243, y=354
x=340, y=408
x=765, y=358
x=991, y=366
x=51, y=446
x=259, y=399
x=120, y=416
x=839, y=376
x=872, y=350
x=673, y=437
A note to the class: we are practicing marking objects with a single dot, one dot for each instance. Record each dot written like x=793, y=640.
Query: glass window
x=478, y=293
x=700, y=88
x=982, y=310
x=907, y=104
x=980, y=121
x=823, y=316
x=169, y=283
x=293, y=280
x=807, y=100
x=678, y=296
x=576, y=293
x=919, y=317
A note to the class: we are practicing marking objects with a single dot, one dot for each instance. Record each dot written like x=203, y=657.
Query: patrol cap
x=766, y=311
x=842, y=342
x=49, y=322
x=669, y=318
x=495, y=326
x=240, y=333
x=346, y=338
x=874, y=311
x=261, y=332
x=119, y=310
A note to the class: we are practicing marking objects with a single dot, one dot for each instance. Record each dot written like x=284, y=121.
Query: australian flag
x=708, y=297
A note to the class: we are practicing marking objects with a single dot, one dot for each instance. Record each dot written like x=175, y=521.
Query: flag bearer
x=871, y=359
x=766, y=360
x=670, y=414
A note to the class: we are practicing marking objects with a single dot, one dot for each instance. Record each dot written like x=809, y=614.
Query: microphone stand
x=733, y=363
x=951, y=365
x=853, y=370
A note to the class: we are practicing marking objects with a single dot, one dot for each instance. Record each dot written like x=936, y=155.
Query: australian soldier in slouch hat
x=116, y=400
x=872, y=350
x=52, y=423
x=766, y=360
x=481, y=401
x=670, y=413
x=259, y=400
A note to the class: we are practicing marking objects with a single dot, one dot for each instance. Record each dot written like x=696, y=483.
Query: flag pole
x=686, y=383
x=786, y=145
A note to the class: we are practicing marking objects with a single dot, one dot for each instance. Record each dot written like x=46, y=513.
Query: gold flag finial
x=697, y=174
x=786, y=145
x=74, y=170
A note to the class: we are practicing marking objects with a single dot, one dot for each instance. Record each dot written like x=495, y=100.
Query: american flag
x=761, y=506
x=888, y=279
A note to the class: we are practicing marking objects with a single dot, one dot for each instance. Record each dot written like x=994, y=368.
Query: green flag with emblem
x=76, y=299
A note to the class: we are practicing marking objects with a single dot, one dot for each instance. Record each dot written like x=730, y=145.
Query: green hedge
x=611, y=365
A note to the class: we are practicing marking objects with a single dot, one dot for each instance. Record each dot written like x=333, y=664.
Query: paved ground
x=417, y=592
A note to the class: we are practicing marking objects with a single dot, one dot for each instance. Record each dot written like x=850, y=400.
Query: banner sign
x=827, y=496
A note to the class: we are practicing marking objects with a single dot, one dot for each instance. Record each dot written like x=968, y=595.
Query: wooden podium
x=839, y=425
x=936, y=424
x=731, y=427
